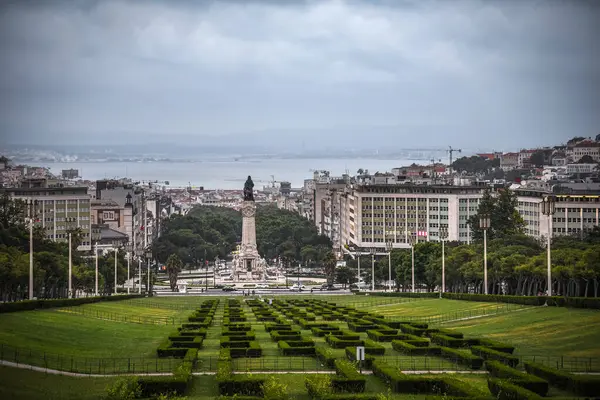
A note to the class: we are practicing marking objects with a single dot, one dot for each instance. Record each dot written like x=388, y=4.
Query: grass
x=21, y=384
x=552, y=331
x=57, y=332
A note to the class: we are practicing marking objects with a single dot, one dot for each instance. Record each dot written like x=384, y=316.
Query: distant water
x=224, y=174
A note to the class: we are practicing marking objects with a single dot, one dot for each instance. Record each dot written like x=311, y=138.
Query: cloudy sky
x=495, y=74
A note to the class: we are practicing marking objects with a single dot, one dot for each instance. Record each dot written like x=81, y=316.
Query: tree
x=537, y=158
x=174, y=266
x=504, y=216
x=329, y=264
x=12, y=212
x=345, y=276
x=587, y=159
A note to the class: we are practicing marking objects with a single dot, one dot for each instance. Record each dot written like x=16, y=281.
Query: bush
x=277, y=327
x=28, y=305
x=557, y=301
x=338, y=343
x=582, y=385
x=412, y=350
x=318, y=386
x=459, y=357
x=448, y=341
x=155, y=385
x=413, y=329
x=124, y=389
x=529, y=382
x=504, y=390
x=326, y=356
x=298, y=348
x=348, y=379
x=241, y=385
x=489, y=354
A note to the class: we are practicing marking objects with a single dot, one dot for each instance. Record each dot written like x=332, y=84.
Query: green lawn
x=129, y=312
x=21, y=384
x=553, y=331
x=57, y=332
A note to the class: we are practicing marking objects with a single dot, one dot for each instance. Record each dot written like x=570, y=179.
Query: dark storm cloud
x=467, y=73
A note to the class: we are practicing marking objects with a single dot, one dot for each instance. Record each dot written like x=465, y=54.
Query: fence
x=132, y=365
x=130, y=318
x=459, y=315
x=87, y=365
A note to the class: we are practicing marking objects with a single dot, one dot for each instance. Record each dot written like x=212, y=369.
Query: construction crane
x=450, y=151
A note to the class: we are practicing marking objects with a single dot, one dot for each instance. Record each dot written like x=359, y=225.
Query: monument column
x=249, y=250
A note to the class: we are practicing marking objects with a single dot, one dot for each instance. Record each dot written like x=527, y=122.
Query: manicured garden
x=310, y=342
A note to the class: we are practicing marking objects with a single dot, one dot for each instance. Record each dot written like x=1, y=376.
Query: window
x=108, y=215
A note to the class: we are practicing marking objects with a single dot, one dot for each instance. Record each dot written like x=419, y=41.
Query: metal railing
x=87, y=365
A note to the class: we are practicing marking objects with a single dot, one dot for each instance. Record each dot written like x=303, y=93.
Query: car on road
x=297, y=288
x=327, y=286
x=262, y=286
x=229, y=288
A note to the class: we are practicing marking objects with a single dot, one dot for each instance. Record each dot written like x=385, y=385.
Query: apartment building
x=577, y=209
x=58, y=209
x=509, y=161
x=375, y=214
x=586, y=147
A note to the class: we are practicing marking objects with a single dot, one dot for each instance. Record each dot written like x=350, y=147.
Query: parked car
x=262, y=286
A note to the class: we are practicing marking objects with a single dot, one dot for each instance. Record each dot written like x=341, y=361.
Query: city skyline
x=311, y=74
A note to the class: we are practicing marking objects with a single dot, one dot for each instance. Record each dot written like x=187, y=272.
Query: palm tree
x=329, y=263
x=174, y=266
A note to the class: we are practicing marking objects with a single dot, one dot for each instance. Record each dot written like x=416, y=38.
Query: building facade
x=59, y=210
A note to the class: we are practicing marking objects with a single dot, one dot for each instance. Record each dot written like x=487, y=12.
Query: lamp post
x=69, y=292
x=32, y=205
x=116, y=252
x=389, y=246
x=148, y=257
x=373, y=251
x=548, y=209
x=411, y=240
x=443, y=235
x=484, y=223
x=140, y=273
x=128, y=276
x=358, y=272
x=206, y=273
x=96, y=256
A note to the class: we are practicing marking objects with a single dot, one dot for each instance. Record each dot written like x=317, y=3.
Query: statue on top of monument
x=249, y=190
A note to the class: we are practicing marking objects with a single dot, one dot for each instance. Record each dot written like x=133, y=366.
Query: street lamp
x=443, y=235
x=373, y=251
x=139, y=272
x=128, y=255
x=116, y=252
x=411, y=240
x=484, y=223
x=148, y=257
x=548, y=209
x=96, y=256
x=32, y=207
x=389, y=246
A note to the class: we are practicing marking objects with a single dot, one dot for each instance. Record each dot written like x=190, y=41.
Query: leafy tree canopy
x=475, y=165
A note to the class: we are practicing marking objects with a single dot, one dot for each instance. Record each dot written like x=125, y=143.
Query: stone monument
x=247, y=265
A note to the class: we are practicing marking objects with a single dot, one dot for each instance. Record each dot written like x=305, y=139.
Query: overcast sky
x=495, y=74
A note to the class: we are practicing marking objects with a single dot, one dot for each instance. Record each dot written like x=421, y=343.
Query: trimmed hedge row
x=527, y=381
x=470, y=360
x=297, y=348
x=28, y=305
x=582, y=385
x=403, y=383
x=574, y=302
x=494, y=355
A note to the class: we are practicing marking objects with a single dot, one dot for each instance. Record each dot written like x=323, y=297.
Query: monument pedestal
x=248, y=265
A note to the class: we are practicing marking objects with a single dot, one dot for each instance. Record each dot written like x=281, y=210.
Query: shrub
x=318, y=386
x=298, y=348
x=504, y=390
x=274, y=390
x=127, y=388
x=326, y=356
x=348, y=379
x=155, y=385
x=340, y=343
x=413, y=329
x=489, y=354
x=529, y=382
x=581, y=385
x=412, y=350
x=459, y=357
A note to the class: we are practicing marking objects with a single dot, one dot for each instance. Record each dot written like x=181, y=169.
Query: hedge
x=529, y=382
x=348, y=379
x=413, y=329
x=298, y=348
x=28, y=305
x=343, y=334
x=582, y=385
x=504, y=390
x=340, y=343
x=326, y=356
x=277, y=327
x=557, y=301
x=155, y=385
x=324, y=331
x=401, y=294
x=470, y=360
x=489, y=354
x=285, y=335
x=412, y=350
x=403, y=383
